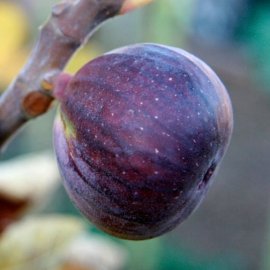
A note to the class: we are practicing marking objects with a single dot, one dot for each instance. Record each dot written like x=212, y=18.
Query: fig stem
x=71, y=24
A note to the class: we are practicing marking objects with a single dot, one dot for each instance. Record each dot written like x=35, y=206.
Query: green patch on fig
x=69, y=128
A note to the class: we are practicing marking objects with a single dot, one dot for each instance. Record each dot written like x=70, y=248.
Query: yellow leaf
x=13, y=32
x=13, y=29
x=89, y=251
x=37, y=243
x=18, y=177
x=82, y=56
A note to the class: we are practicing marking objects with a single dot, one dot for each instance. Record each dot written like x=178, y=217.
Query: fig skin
x=141, y=132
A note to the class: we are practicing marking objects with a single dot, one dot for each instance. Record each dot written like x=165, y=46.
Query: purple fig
x=141, y=132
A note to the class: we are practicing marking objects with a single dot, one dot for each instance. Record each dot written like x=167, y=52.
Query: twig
x=71, y=23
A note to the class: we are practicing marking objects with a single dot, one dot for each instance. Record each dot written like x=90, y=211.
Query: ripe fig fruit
x=141, y=133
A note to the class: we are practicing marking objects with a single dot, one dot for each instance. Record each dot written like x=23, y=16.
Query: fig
x=141, y=131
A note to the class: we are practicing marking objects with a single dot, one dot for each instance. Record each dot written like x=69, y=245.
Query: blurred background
x=231, y=228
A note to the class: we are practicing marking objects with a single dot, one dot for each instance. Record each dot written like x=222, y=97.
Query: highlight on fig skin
x=141, y=132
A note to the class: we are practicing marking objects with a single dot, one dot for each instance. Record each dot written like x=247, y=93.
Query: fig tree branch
x=71, y=24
